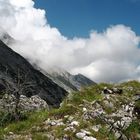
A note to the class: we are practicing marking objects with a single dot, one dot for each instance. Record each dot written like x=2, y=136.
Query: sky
x=79, y=17
x=97, y=38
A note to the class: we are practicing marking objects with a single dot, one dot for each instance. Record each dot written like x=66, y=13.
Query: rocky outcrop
x=14, y=68
x=34, y=103
x=112, y=90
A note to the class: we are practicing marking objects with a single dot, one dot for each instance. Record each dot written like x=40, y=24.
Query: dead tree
x=22, y=85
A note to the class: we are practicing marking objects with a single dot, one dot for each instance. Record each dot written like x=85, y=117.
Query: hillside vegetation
x=99, y=112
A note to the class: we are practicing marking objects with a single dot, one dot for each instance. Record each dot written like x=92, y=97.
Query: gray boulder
x=8, y=103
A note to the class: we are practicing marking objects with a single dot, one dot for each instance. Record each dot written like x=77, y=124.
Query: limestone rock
x=8, y=103
x=96, y=128
x=89, y=138
x=80, y=135
x=74, y=123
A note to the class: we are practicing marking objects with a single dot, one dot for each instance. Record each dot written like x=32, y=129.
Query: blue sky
x=110, y=55
x=79, y=17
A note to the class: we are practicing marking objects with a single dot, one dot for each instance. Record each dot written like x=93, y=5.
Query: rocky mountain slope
x=68, y=81
x=60, y=76
x=15, y=72
x=99, y=112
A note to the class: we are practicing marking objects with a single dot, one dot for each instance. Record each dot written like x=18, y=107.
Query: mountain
x=60, y=76
x=68, y=81
x=80, y=80
x=14, y=68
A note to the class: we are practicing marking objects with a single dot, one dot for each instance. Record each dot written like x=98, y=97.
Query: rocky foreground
x=100, y=112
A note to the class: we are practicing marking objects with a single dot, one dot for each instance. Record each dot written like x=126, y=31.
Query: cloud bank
x=109, y=56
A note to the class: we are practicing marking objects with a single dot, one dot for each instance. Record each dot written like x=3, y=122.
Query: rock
x=93, y=114
x=80, y=135
x=17, y=137
x=66, y=116
x=53, y=123
x=124, y=137
x=107, y=96
x=123, y=123
x=89, y=138
x=50, y=122
x=117, y=90
x=127, y=121
x=66, y=137
x=129, y=88
x=127, y=108
x=137, y=97
x=70, y=118
x=8, y=103
x=112, y=91
x=108, y=104
x=47, y=122
x=107, y=91
x=97, y=105
x=11, y=133
x=84, y=109
x=86, y=132
x=60, y=124
x=59, y=120
x=117, y=134
x=70, y=128
x=84, y=135
x=96, y=128
x=74, y=123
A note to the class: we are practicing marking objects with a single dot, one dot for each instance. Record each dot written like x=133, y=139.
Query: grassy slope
x=72, y=105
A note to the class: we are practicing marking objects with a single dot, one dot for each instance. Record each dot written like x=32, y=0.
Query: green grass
x=133, y=130
x=71, y=106
x=39, y=136
x=33, y=118
x=65, y=109
x=89, y=94
x=135, y=84
x=130, y=88
x=104, y=134
x=137, y=104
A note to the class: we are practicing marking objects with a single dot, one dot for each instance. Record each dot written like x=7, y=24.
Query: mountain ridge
x=58, y=75
x=66, y=80
x=11, y=62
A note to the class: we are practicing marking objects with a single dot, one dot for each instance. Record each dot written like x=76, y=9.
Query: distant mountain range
x=68, y=81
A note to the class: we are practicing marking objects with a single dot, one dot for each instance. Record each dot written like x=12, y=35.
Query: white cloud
x=112, y=55
x=22, y=3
